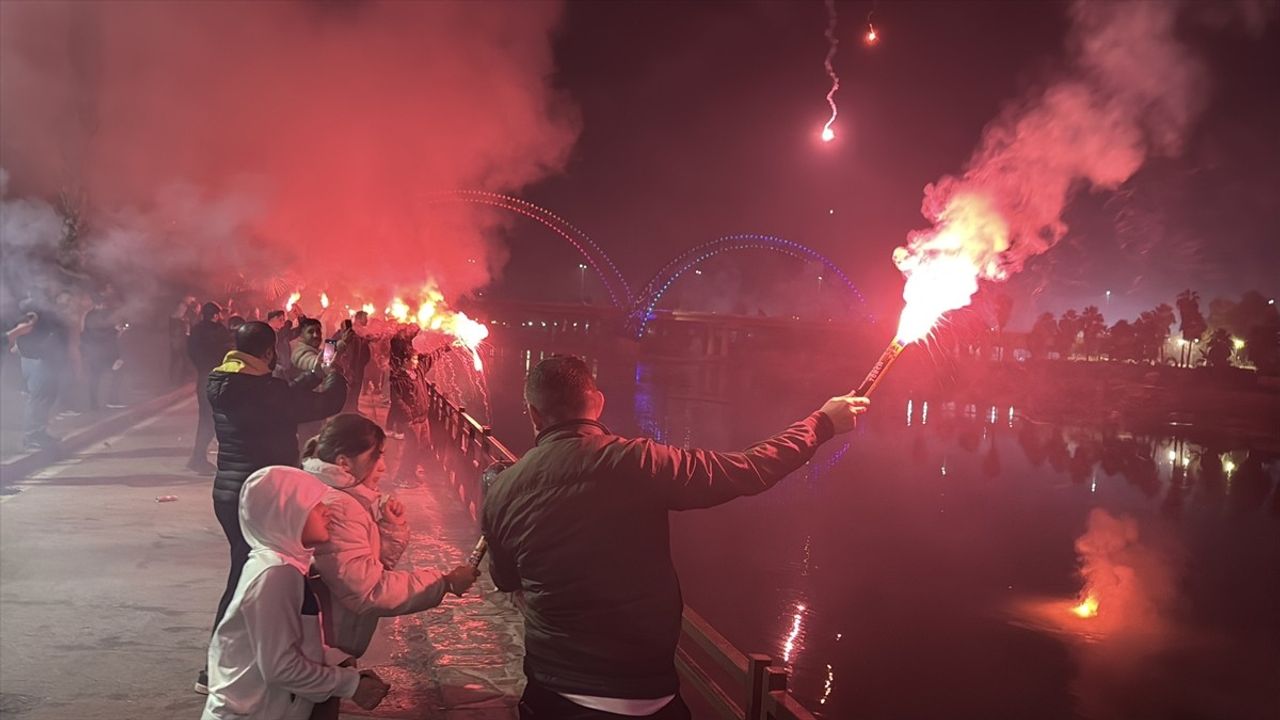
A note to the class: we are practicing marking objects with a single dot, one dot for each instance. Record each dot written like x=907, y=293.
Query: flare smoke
x=1131, y=91
x=219, y=144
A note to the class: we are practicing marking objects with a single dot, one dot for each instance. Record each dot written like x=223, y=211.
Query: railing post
x=775, y=680
x=757, y=664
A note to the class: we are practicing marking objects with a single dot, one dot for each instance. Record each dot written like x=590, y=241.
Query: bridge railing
x=733, y=685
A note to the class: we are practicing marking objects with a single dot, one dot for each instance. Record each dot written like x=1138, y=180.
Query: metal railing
x=734, y=685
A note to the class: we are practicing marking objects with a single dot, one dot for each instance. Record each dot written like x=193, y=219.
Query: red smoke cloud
x=230, y=141
x=1131, y=91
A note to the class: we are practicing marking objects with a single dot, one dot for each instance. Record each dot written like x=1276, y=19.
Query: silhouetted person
x=579, y=525
x=100, y=353
x=256, y=416
x=179, y=327
x=359, y=354
x=283, y=327
x=43, y=341
x=208, y=342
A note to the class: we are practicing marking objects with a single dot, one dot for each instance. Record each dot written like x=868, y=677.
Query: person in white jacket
x=267, y=658
x=367, y=535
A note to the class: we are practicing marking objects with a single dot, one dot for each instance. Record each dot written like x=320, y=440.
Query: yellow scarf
x=241, y=362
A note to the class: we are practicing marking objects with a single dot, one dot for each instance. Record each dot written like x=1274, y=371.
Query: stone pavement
x=106, y=595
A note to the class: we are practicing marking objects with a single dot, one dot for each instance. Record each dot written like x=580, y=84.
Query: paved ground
x=106, y=595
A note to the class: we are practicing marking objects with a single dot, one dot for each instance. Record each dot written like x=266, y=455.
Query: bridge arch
x=615, y=284
x=647, y=299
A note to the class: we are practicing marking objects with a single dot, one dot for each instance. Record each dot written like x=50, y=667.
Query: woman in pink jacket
x=367, y=535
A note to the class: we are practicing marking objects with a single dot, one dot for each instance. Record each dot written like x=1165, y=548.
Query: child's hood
x=274, y=504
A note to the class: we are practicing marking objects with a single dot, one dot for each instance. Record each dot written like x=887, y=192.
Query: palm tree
x=1068, y=329
x=1092, y=327
x=1193, y=323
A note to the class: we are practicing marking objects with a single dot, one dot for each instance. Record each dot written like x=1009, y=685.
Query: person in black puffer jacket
x=256, y=417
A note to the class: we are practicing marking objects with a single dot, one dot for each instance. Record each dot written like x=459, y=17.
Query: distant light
x=581, y=266
x=872, y=37
x=828, y=134
x=832, y=211
x=1272, y=301
x=697, y=272
x=1238, y=343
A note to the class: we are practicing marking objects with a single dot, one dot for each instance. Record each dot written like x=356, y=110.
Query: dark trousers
x=228, y=514
x=539, y=703
x=204, y=422
x=410, y=454
x=42, y=378
x=95, y=374
x=354, y=387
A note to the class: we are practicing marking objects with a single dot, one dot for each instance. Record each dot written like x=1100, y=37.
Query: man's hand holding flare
x=843, y=411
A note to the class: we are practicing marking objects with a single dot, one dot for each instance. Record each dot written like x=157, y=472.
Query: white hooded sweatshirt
x=266, y=660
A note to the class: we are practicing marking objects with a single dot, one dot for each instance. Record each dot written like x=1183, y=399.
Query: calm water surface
x=924, y=565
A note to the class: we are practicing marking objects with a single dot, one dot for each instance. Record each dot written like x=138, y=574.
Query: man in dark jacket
x=256, y=416
x=359, y=354
x=208, y=342
x=579, y=525
x=43, y=340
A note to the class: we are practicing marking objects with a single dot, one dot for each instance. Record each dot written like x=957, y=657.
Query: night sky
x=702, y=119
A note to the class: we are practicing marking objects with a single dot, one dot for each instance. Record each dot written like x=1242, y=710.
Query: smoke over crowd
x=1131, y=91
x=233, y=145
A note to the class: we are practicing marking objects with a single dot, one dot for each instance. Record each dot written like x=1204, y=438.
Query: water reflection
x=897, y=557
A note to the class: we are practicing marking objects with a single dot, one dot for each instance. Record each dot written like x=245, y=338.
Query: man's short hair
x=235, y=321
x=362, y=315
x=560, y=387
x=308, y=322
x=275, y=314
x=209, y=310
x=255, y=338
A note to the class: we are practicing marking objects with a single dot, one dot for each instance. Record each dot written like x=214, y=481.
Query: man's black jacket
x=207, y=344
x=256, y=418
x=579, y=524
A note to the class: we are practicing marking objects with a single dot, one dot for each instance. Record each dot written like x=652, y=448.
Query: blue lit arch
x=648, y=298
x=620, y=293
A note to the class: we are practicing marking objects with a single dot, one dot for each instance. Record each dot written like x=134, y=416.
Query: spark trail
x=828, y=134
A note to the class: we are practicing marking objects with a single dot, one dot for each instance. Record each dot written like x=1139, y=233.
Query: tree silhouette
x=1218, y=351
x=1092, y=328
x=1152, y=330
x=1068, y=329
x=1041, y=337
x=1121, y=342
x=1193, y=324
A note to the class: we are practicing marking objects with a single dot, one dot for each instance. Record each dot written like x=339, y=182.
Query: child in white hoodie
x=267, y=658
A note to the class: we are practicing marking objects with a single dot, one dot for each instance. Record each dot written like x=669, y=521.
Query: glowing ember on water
x=1087, y=608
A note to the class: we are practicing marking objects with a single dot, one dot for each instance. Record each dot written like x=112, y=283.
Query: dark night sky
x=701, y=119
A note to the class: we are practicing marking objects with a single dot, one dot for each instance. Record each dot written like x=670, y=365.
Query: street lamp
x=582, y=282
x=1108, y=298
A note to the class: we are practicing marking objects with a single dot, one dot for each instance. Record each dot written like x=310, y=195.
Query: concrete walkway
x=106, y=596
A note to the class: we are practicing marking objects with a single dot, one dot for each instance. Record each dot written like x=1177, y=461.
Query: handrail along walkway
x=734, y=685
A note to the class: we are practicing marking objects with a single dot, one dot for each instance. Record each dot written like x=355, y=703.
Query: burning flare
x=294, y=297
x=1087, y=608
x=943, y=265
x=324, y=301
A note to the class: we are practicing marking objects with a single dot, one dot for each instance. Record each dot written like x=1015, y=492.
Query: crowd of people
x=577, y=528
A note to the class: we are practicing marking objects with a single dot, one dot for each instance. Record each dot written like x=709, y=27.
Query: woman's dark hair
x=347, y=434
